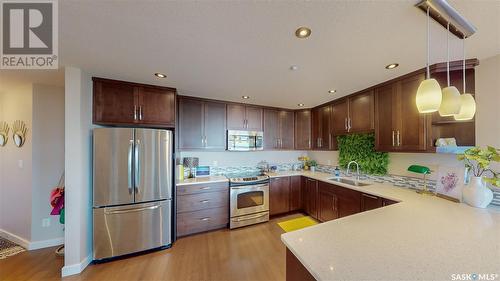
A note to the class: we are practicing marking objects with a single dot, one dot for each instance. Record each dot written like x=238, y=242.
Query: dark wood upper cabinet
x=124, y=103
x=340, y=117
x=271, y=129
x=287, y=127
x=398, y=124
x=202, y=124
x=321, y=135
x=279, y=195
x=244, y=117
x=303, y=129
x=361, y=113
x=295, y=193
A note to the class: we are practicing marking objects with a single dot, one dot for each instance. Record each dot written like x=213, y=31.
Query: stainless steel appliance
x=245, y=140
x=132, y=190
x=249, y=202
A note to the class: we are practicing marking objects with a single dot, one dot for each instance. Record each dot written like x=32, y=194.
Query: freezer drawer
x=131, y=228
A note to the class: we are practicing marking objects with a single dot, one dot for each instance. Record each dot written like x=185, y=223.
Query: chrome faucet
x=357, y=168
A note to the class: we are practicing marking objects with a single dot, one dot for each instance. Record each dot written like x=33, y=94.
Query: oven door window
x=250, y=199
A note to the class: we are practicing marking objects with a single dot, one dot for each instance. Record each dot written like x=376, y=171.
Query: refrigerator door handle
x=137, y=163
x=131, y=210
x=129, y=166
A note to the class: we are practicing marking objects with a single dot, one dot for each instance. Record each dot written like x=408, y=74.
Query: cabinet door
x=295, y=193
x=190, y=124
x=370, y=202
x=327, y=203
x=303, y=129
x=271, y=129
x=361, y=113
x=385, y=115
x=215, y=125
x=325, y=136
x=316, y=126
x=279, y=196
x=236, y=117
x=114, y=103
x=286, y=129
x=340, y=117
x=410, y=135
x=348, y=201
x=311, y=193
x=156, y=107
x=253, y=118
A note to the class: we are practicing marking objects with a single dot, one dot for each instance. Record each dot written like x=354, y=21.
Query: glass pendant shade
x=450, y=104
x=467, y=108
x=429, y=96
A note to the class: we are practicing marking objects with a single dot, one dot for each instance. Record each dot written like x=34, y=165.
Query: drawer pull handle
x=205, y=219
x=204, y=201
x=369, y=196
x=205, y=188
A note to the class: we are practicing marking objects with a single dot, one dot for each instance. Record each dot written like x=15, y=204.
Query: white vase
x=477, y=194
x=313, y=168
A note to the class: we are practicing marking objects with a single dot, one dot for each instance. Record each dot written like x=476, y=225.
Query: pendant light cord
x=448, y=54
x=428, y=43
x=463, y=63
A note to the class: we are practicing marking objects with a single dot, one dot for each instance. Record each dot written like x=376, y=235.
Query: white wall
x=16, y=181
x=228, y=159
x=487, y=125
x=78, y=234
x=48, y=159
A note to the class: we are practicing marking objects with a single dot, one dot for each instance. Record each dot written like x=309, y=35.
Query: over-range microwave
x=244, y=140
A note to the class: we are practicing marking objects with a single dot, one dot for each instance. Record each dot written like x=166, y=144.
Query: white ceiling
x=224, y=49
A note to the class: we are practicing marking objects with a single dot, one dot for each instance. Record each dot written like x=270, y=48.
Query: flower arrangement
x=478, y=160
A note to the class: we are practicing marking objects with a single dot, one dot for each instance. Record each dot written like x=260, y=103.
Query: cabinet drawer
x=202, y=201
x=204, y=220
x=201, y=188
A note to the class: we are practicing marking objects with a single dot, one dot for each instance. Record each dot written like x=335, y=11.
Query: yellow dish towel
x=298, y=223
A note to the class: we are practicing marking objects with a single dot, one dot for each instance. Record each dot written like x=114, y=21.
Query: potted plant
x=477, y=162
x=312, y=164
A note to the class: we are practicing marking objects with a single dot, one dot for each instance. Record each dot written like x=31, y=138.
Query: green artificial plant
x=361, y=148
x=478, y=161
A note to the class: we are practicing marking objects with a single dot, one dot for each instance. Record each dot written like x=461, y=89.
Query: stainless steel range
x=249, y=201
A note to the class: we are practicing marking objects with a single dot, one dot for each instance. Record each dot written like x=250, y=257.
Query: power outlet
x=46, y=222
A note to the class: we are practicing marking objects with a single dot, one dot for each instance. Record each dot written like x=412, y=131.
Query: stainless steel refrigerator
x=132, y=190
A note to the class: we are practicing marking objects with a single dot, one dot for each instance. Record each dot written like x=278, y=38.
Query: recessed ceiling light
x=294, y=67
x=392, y=65
x=303, y=32
x=300, y=104
x=332, y=91
x=160, y=75
x=245, y=97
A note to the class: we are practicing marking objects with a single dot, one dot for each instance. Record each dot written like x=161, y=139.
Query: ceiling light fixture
x=467, y=102
x=294, y=67
x=392, y=65
x=245, y=97
x=332, y=91
x=300, y=104
x=429, y=94
x=450, y=105
x=160, y=75
x=303, y=32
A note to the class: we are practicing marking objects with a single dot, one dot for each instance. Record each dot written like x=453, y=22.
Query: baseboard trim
x=77, y=268
x=46, y=243
x=14, y=238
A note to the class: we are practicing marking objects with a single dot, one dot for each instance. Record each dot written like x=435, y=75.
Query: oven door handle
x=259, y=186
x=250, y=217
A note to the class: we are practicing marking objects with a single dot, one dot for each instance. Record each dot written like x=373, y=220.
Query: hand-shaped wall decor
x=4, y=133
x=19, y=133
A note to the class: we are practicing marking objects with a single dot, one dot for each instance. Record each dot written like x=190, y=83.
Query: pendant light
x=467, y=102
x=450, y=105
x=429, y=94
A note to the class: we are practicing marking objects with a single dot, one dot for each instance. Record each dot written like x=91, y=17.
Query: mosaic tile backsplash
x=400, y=181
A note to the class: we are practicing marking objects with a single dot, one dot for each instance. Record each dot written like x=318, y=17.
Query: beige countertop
x=211, y=179
x=421, y=238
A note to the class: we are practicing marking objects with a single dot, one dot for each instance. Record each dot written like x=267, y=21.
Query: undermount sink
x=349, y=181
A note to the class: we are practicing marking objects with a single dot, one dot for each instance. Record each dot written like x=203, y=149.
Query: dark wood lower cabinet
x=295, y=271
x=279, y=196
x=327, y=203
x=295, y=193
x=310, y=197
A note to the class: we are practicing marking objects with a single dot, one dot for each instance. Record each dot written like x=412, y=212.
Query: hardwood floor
x=249, y=253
